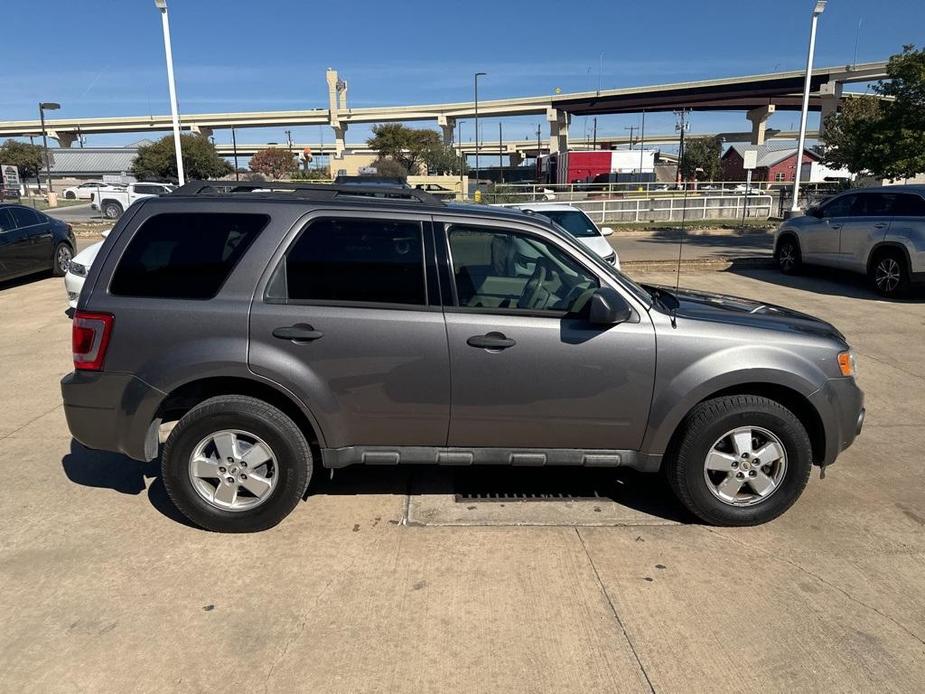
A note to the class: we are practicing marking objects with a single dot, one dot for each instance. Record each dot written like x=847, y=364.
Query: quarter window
x=185, y=256
x=356, y=260
x=505, y=270
x=24, y=217
x=910, y=205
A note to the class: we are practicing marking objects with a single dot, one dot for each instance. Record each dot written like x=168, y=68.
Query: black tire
x=70, y=195
x=112, y=210
x=788, y=256
x=889, y=273
x=59, y=260
x=281, y=434
x=706, y=423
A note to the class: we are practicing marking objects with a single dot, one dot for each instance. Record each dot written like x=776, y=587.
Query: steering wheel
x=534, y=286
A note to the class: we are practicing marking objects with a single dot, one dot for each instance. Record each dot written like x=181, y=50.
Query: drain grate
x=531, y=485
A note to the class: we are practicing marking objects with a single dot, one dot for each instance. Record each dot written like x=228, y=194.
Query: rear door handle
x=492, y=340
x=836, y=227
x=300, y=332
x=880, y=225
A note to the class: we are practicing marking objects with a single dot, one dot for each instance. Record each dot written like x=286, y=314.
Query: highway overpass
x=758, y=95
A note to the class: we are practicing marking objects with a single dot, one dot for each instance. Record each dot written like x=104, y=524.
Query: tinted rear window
x=25, y=217
x=361, y=260
x=184, y=256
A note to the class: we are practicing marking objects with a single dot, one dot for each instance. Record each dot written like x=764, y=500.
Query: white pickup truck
x=114, y=200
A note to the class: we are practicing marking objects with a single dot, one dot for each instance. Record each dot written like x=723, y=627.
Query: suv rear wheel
x=889, y=274
x=741, y=460
x=236, y=464
x=789, y=259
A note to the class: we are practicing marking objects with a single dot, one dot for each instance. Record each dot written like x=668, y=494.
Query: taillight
x=90, y=338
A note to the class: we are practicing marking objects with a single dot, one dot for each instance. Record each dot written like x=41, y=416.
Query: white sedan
x=77, y=271
x=84, y=190
x=579, y=225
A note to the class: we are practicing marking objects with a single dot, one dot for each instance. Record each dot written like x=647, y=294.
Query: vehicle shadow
x=120, y=473
x=640, y=492
x=745, y=238
x=25, y=279
x=821, y=280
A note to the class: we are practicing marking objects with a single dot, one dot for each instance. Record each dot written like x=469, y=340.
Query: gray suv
x=323, y=326
x=879, y=232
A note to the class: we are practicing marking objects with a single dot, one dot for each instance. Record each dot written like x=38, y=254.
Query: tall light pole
x=477, y=75
x=817, y=10
x=172, y=86
x=46, y=106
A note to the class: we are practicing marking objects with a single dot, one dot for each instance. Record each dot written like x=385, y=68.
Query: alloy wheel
x=233, y=470
x=63, y=258
x=888, y=275
x=745, y=466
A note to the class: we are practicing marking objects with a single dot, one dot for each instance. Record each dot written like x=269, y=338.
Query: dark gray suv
x=331, y=325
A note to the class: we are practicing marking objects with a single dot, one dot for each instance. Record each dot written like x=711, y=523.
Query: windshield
x=574, y=222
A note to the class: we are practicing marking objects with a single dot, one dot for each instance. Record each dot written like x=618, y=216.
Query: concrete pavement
x=385, y=580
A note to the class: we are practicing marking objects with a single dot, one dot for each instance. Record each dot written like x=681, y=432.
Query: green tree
x=390, y=168
x=29, y=158
x=443, y=159
x=274, y=162
x=200, y=159
x=885, y=138
x=701, y=153
x=407, y=146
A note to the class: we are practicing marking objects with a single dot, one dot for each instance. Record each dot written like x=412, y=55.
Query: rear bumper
x=112, y=412
x=840, y=403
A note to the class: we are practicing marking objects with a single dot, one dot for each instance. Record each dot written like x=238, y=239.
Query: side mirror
x=606, y=231
x=608, y=307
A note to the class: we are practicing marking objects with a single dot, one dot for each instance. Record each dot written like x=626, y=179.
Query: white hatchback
x=579, y=225
x=77, y=271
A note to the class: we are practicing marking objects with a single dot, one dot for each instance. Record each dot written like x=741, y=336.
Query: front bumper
x=112, y=412
x=840, y=404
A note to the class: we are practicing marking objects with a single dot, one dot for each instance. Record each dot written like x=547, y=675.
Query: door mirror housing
x=608, y=307
x=606, y=231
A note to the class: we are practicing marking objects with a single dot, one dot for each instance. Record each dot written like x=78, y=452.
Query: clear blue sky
x=105, y=57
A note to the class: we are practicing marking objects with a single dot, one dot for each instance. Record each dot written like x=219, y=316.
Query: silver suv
x=326, y=326
x=879, y=232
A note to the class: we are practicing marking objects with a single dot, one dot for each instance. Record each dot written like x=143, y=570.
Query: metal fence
x=677, y=209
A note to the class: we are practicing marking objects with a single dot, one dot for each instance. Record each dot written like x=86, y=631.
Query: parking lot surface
x=424, y=580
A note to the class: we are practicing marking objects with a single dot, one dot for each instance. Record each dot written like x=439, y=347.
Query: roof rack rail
x=316, y=191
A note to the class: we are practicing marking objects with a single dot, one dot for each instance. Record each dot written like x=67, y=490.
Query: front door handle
x=880, y=225
x=300, y=332
x=492, y=340
x=836, y=227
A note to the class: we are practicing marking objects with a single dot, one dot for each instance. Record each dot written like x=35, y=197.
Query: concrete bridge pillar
x=759, y=118
x=340, y=136
x=558, y=129
x=831, y=93
x=202, y=130
x=64, y=139
x=448, y=126
x=517, y=158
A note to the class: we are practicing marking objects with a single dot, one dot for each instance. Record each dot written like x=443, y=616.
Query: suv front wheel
x=740, y=460
x=236, y=464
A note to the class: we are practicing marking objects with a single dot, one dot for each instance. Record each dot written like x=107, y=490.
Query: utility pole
x=594, y=136
x=632, y=129
x=500, y=152
x=642, y=143
x=476, y=82
x=538, y=151
x=817, y=10
x=234, y=149
x=172, y=87
x=289, y=139
x=682, y=125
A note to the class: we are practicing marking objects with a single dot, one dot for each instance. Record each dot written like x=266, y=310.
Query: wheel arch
x=792, y=399
x=881, y=246
x=185, y=397
x=787, y=234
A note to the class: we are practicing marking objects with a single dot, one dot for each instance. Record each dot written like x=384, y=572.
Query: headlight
x=77, y=269
x=847, y=363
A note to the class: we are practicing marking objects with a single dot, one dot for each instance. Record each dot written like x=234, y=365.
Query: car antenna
x=673, y=312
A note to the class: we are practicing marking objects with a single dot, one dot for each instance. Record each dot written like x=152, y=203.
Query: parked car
x=114, y=200
x=84, y=190
x=577, y=223
x=288, y=332
x=77, y=271
x=31, y=241
x=879, y=232
x=438, y=191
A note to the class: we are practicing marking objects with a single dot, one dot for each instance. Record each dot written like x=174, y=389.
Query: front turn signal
x=847, y=363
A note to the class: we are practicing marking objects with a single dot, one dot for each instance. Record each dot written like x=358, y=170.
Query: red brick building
x=776, y=162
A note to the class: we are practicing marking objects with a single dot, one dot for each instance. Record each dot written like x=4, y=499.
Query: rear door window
x=24, y=217
x=908, y=205
x=368, y=261
x=184, y=255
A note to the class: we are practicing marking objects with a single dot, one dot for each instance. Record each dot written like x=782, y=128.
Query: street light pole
x=817, y=10
x=171, y=85
x=46, y=106
x=476, y=81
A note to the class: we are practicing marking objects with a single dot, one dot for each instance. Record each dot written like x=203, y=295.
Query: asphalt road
x=385, y=581
x=75, y=213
